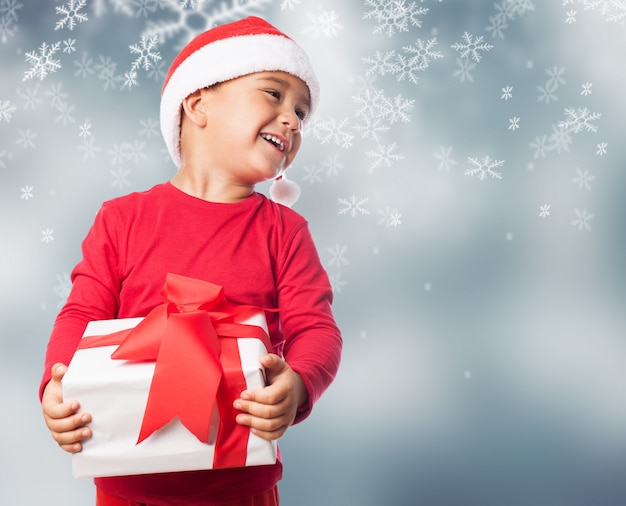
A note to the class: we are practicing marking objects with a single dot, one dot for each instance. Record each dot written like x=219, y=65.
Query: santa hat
x=223, y=53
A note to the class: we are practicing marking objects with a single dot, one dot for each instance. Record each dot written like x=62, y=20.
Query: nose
x=291, y=119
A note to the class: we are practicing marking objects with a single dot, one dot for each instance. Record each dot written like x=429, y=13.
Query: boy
x=232, y=109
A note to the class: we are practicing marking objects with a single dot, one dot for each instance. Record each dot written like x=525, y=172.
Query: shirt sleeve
x=313, y=342
x=94, y=294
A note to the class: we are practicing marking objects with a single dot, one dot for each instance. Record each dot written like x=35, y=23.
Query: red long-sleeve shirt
x=260, y=252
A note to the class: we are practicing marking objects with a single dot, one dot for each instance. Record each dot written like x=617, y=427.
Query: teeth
x=275, y=140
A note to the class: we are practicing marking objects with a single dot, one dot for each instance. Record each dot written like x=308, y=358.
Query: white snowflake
x=6, y=110
x=399, y=109
x=85, y=129
x=422, y=52
x=332, y=130
x=337, y=256
x=580, y=119
x=582, y=220
x=415, y=58
x=336, y=283
x=65, y=111
x=582, y=179
x=43, y=63
x=88, y=148
x=471, y=47
x=27, y=192
x=560, y=139
x=145, y=7
x=289, y=4
x=555, y=77
x=130, y=79
x=136, y=150
x=389, y=217
x=46, y=235
x=601, y=149
x=540, y=145
x=68, y=46
x=394, y=16
x=71, y=14
x=547, y=93
x=56, y=95
x=120, y=176
x=383, y=156
x=157, y=72
x=375, y=105
x=332, y=165
x=586, y=91
x=507, y=93
x=8, y=18
x=63, y=288
x=381, y=63
x=464, y=70
x=106, y=72
x=484, y=167
x=149, y=128
x=4, y=155
x=444, y=156
x=514, y=123
x=30, y=97
x=614, y=11
x=371, y=127
x=119, y=153
x=323, y=24
x=353, y=206
x=312, y=174
x=570, y=16
x=146, y=51
x=26, y=138
x=544, y=211
x=497, y=26
x=84, y=67
x=506, y=11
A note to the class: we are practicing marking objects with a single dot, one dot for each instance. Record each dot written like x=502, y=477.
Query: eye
x=301, y=114
x=273, y=93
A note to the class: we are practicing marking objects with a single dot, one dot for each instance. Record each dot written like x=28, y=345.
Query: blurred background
x=464, y=181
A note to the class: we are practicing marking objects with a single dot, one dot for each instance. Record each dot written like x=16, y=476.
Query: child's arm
x=65, y=422
x=271, y=410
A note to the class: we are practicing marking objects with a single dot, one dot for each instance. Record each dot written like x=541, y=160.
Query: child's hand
x=66, y=424
x=271, y=410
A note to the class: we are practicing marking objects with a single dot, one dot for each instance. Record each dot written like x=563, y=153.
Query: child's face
x=254, y=130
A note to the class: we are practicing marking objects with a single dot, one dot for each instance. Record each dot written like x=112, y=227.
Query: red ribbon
x=193, y=369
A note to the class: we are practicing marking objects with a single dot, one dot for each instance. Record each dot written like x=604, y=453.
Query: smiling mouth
x=275, y=141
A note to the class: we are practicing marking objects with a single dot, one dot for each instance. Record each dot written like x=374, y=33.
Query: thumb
x=271, y=361
x=58, y=370
x=273, y=365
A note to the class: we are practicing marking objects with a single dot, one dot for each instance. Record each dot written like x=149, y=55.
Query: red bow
x=182, y=336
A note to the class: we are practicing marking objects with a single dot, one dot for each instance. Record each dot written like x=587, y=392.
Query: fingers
x=269, y=411
x=267, y=428
x=66, y=424
x=71, y=441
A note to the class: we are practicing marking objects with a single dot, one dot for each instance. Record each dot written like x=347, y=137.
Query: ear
x=194, y=108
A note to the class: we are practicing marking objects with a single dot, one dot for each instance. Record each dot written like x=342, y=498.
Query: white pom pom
x=284, y=191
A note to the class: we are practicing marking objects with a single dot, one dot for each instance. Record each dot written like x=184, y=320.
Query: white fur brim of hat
x=227, y=59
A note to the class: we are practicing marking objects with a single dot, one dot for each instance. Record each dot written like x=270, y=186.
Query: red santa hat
x=223, y=53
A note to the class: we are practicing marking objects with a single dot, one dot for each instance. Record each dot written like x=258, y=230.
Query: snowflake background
x=464, y=182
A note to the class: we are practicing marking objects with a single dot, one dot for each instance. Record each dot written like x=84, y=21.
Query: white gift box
x=115, y=393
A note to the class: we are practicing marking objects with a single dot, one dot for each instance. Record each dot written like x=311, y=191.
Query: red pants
x=269, y=498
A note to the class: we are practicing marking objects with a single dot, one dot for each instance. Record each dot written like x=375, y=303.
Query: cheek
x=297, y=142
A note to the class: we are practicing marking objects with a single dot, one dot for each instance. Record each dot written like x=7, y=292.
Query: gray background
x=484, y=344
